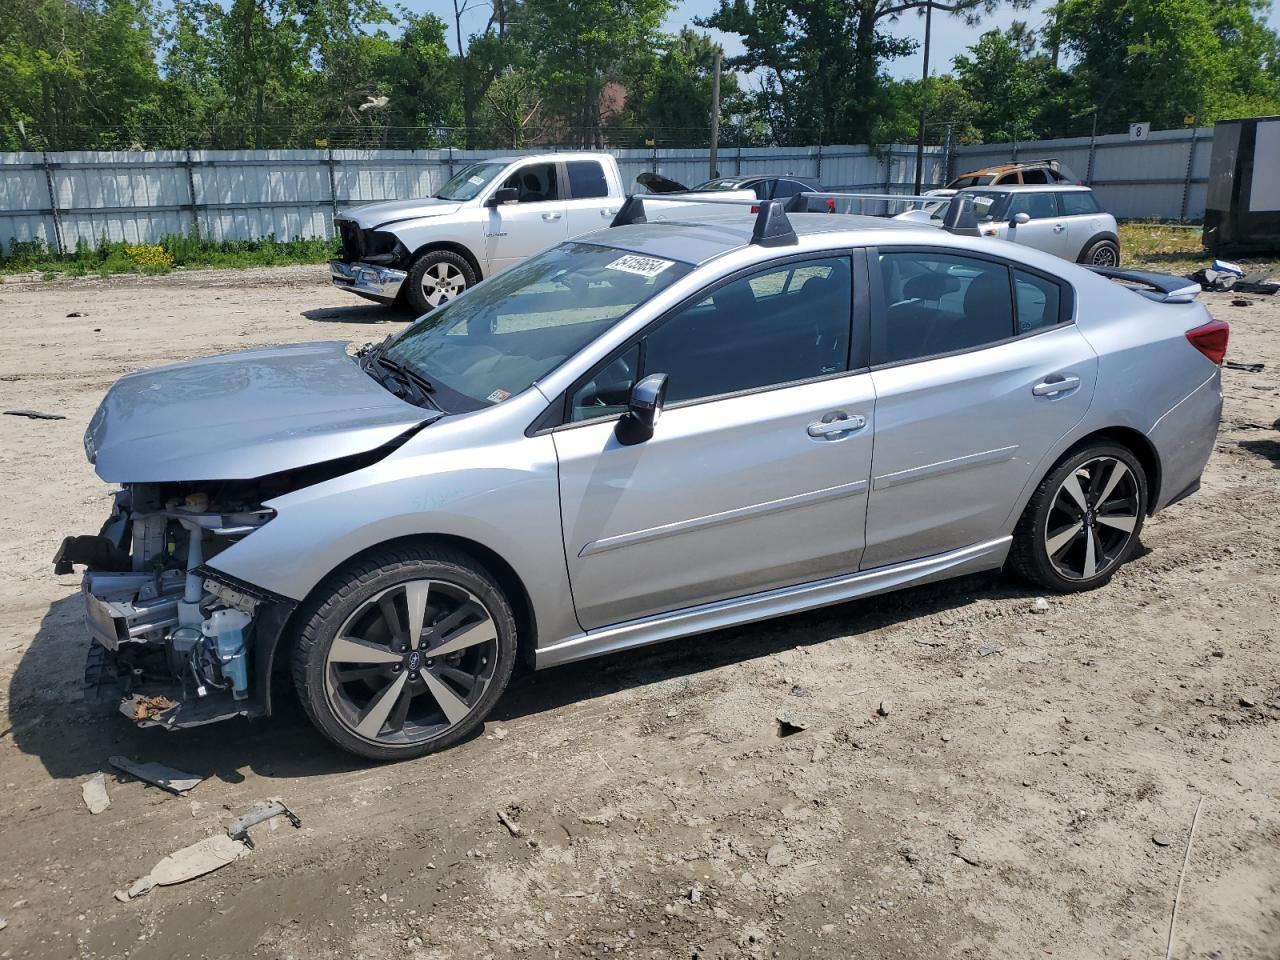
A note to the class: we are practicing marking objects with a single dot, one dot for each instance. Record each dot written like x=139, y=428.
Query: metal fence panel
x=139, y=197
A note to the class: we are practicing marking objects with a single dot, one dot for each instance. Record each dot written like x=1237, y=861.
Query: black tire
x=352, y=593
x=1104, y=253
x=1047, y=521
x=457, y=272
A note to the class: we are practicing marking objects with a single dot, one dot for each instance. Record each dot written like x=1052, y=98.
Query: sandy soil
x=1005, y=806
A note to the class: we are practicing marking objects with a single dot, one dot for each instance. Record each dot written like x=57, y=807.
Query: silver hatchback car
x=663, y=428
x=1061, y=219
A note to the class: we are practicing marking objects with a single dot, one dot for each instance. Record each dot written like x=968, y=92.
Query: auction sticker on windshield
x=642, y=266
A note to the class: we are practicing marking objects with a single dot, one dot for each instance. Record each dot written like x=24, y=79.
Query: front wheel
x=404, y=653
x=437, y=277
x=1083, y=521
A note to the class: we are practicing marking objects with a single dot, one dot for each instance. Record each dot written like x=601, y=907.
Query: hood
x=374, y=215
x=244, y=415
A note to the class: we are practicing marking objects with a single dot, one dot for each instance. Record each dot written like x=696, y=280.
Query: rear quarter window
x=586, y=179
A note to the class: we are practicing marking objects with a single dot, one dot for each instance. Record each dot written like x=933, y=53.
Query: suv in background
x=1063, y=220
x=1018, y=173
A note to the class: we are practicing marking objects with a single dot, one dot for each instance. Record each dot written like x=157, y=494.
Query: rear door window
x=937, y=303
x=1078, y=203
x=1034, y=176
x=1038, y=206
x=586, y=179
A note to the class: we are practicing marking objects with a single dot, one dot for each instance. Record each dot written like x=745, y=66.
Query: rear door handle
x=551, y=216
x=834, y=427
x=1052, y=386
x=1059, y=227
x=609, y=211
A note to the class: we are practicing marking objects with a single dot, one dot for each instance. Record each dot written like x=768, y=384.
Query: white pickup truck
x=491, y=215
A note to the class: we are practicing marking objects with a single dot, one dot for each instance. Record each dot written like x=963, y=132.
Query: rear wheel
x=1083, y=521
x=405, y=653
x=1104, y=253
x=437, y=277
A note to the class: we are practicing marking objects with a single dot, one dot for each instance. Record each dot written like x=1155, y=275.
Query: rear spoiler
x=1160, y=287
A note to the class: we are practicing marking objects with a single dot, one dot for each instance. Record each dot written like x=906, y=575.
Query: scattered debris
x=929, y=641
x=510, y=824
x=695, y=893
x=238, y=829
x=34, y=415
x=76, y=313
x=1177, y=897
x=499, y=733
x=790, y=722
x=1246, y=702
x=946, y=738
x=1040, y=605
x=987, y=649
x=188, y=863
x=1241, y=302
x=885, y=708
x=909, y=854
x=3, y=923
x=148, y=707
x=94, y=791
x=382, y=897
x=968, y=856
x=778, y=856
x=1161, y=839
x=1246, y=367
x=167, y=778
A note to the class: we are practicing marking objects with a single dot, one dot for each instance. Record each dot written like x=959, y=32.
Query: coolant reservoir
x=226, y=628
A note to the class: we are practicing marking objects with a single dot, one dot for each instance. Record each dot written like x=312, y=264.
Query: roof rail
x=772, y=228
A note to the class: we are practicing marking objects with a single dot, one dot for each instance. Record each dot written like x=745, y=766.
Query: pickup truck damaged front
x=179, y=643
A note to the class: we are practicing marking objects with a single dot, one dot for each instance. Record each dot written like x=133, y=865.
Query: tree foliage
x=514, y=73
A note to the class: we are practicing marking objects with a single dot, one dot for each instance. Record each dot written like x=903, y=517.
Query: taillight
x=1211, y=339
x=831, y=205
x=755, y=208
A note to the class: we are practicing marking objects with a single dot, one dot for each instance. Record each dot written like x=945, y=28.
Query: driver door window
x=536, y=182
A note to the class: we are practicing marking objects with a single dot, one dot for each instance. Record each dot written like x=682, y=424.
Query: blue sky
x=950, y=35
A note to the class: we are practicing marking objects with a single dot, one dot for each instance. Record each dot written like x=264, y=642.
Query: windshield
x=712, y=185
x=469, y=181
x=984, y=202
x=509, y=332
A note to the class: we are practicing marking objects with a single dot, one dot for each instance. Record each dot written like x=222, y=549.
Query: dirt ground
x=1004, y=807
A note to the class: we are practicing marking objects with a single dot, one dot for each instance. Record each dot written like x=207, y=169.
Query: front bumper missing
x=367, y=280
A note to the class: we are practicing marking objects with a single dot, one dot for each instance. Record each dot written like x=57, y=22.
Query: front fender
x=503, y=497
x=464, y=230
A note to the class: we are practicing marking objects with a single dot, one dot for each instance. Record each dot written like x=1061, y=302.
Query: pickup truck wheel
x=437, y=277
x=404, y=653
x=1104, y=253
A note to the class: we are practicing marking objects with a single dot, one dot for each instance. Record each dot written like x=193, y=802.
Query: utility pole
x=715, y=120
x=924, y=96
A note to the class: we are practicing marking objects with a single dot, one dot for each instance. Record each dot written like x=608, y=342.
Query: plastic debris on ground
x=188, y=863
x=238, y=829
x=94, y=791
x=175, y=781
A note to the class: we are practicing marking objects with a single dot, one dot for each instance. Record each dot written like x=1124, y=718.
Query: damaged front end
x=179, y=643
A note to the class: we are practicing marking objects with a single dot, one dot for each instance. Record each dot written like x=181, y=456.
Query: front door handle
x=551, y=216
x=609, y=211
x=1059, y=227
x=842, y=423
x=1052, y=386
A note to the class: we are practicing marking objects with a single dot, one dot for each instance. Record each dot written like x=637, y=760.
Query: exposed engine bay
x=171, y=637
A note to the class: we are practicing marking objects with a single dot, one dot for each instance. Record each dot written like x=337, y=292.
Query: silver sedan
x=661, y=429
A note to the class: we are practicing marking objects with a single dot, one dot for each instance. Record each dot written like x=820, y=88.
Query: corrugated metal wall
x=64, y=198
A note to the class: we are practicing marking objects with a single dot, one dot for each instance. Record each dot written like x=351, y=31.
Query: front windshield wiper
x=405, y=379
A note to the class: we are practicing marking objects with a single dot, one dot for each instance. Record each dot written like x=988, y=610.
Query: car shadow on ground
x=50, y=719
x=1266, y=449
x=357, y=313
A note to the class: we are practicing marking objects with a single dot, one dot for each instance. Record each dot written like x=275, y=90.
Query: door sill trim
x=773, y=603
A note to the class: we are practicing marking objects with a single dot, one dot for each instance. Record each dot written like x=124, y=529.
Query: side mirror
x=643, y=409
x=1020, y=218
x=502, y=196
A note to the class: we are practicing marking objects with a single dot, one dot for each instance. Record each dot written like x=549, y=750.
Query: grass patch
x=108, y=257
x=1175, y=249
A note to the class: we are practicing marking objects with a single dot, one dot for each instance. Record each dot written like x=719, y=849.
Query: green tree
x=822, y=60
x=1163, y=60
x=669, y=90
x=1014, y=90
x=574, y=47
